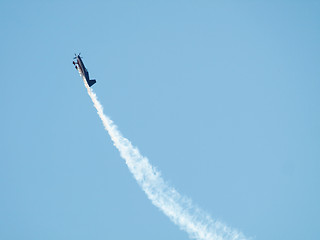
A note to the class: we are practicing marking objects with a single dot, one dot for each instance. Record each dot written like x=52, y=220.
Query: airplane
x=82, y=69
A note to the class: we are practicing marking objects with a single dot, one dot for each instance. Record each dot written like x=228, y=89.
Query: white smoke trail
x=178, y=208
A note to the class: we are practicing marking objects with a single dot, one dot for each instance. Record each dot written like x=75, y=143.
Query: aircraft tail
x=91, y=82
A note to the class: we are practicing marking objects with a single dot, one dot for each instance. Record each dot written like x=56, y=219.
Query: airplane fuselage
x=82, y=68
x=83, y=71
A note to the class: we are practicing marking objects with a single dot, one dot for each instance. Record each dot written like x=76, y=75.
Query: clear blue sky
x=221, y=96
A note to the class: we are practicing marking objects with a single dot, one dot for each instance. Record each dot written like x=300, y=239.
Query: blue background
x=221, y=96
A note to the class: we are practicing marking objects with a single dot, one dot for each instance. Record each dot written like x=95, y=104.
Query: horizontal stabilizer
x=91, y=82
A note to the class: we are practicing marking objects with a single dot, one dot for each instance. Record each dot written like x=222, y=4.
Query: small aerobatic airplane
x=82, y=70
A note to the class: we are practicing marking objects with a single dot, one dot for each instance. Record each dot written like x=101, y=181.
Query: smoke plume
x=178, y=208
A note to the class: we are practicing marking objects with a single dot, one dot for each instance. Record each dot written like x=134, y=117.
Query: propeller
x=76, y=55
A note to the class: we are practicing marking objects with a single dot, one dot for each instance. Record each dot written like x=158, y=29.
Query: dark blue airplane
x=82, y=70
